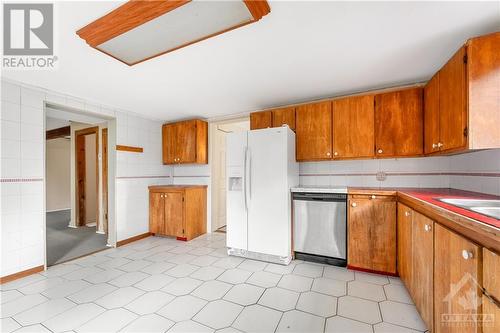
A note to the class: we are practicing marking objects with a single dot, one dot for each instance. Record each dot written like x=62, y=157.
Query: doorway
x=219, y=131
x=76, y=174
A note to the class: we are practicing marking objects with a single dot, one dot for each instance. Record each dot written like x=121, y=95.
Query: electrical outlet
x=381, y=176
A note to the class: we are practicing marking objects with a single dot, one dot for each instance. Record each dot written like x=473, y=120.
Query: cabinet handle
x=407, y=213
x=467, y=254
x=336, y=154
x=328, y=154
x=440, y=144
x=373, y=196
x=434, y=146
x=380, y=151
x=354, y=204
x=427, y=228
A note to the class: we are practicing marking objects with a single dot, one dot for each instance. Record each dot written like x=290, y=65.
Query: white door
x=268, y=225
x=236, y=212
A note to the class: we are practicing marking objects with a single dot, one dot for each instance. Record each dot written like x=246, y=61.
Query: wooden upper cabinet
x=457, y=261
x=372, y=233
x=399, y=123
x=431, y=116
x=353, y=127
x=284, y=116
x=185, y=142
x=453, y=102
x=313, y=131
x=262, y=119
x=491, y=284
x=422, y=267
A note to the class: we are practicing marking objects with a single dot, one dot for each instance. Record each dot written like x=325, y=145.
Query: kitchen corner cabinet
x=491, y=285
x=372, y=233
x=353, y=127
x=313, y=130
x=399, y=123
x=457, y=262
x=262, y=119
x=284, y=116
x=178, y=211
x=185, y=142
x=462, y=100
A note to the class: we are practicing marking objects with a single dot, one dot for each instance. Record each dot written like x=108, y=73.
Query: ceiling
x=300, y=51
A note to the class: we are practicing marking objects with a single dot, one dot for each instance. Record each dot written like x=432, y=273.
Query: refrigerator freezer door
x=269, y=225
x=236, y=212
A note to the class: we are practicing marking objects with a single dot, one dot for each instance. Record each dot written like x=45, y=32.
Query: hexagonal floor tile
x=182, y=308
x=218, y=314
x=397, y=293
x=317, y=304
x=329, y=287
x=279, y=299
x=390, y=328
x=402, y=314
x=309, y=270
x=295, y=283
x=234, y=276
x=298, y=321
x=359, y=309
x=256, y=318
x=340, y=324
x=371, y=278
x=264, y=279
x=338, y=273
x=189, y=326
x=366, y=290
x=252, y=265
x=207, y=273
x=244, y=294
x=212, y=290
x=280, y=269
x=182, y=286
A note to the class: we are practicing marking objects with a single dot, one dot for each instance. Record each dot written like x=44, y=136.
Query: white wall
x=22, y=171
x=58, y=177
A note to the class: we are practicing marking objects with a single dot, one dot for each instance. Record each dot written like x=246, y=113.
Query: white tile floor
x=160, y=285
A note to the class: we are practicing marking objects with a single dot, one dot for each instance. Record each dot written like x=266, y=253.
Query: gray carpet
x=65, y=243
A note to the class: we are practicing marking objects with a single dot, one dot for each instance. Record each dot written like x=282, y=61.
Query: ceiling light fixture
x=140, y=30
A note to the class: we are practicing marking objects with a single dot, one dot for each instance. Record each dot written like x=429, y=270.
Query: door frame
x=104, y=158
x=80, y=209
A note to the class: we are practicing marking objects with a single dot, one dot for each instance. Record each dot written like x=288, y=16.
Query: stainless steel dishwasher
x=320, y=227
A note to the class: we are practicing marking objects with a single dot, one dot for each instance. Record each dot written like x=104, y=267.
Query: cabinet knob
x=354, y=204
x=328, y=154
x=427, y=227
x=373, y=196
x=440, y=145
x=467, y=254
x=380, y=151
x=434, y=146
x=407, y=213
x=336, y=154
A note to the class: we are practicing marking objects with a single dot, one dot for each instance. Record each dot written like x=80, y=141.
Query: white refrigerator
x=260, y=169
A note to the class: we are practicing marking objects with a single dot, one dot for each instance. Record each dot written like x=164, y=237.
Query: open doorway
x=219, y=131
x=76, y=174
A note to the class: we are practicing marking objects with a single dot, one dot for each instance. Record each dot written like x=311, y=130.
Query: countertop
x=320, y=189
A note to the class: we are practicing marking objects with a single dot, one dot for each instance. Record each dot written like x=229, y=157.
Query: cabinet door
x=423, y=273
x=284, y=116
x=431, y=115
x=156, y=213
x=456, y=273
x=185, y=142
x=313, y=130
x=491, y=283
x=168, y=146
x=353, y=127
x=174, y=214
x=261, y=119
x=404, y=237
x=453, y=102
x=399, y=123
x=372, y=234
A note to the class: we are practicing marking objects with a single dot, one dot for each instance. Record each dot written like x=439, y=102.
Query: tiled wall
x=22, y=171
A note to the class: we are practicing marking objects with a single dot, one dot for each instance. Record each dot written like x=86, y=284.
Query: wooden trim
x=18, y=275
x=130, y=149
x=84, y=132
x=133, y=239
x=354, y=268
x=104, y=164
x=124, y=18
x=258, y=8
x=56, y=133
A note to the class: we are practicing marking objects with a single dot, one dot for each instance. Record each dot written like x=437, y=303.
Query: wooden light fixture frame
x=137, y=12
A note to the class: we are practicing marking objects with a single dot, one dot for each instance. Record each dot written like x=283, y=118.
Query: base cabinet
x=178, y=211
x=372, y=233
x=491, y=285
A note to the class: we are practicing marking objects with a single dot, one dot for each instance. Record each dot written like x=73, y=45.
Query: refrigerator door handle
x=249, y=175
x=245, y=179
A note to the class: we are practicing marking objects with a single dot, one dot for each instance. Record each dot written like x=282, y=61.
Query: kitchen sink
x=489, y=208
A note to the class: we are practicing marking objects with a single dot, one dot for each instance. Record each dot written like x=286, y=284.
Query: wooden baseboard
x=18, y=275
x=132, y=239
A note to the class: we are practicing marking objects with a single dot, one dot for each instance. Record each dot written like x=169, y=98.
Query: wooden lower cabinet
x=457, y=276
x=404, y=244
x=179, y=211
x=491, y=285
x=372, y=233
